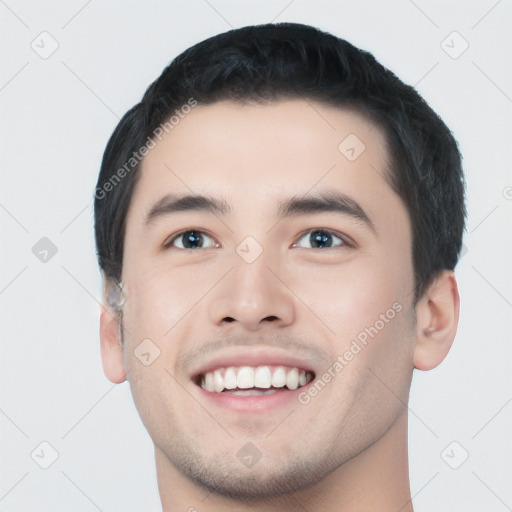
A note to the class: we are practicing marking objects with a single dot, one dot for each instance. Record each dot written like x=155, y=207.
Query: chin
x=263, y=481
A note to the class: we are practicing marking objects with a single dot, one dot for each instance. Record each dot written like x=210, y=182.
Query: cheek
x=349, y=297
x=365, y=303
x=154, y=393
x=158, y=298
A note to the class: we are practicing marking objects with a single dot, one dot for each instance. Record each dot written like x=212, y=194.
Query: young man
x=278, y=221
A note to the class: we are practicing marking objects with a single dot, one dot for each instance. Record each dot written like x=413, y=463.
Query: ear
x=111, y=347
x=437, y=315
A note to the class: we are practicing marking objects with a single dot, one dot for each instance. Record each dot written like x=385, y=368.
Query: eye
x=321, y=239
x=191, y=239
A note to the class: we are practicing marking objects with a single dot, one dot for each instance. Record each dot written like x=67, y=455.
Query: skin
x=346, y=449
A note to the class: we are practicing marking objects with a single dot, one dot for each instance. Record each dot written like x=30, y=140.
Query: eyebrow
x=326, y=202
x=295, y=206
x=190, y=203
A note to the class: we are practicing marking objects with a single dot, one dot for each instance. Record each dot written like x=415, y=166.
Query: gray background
x=58, y=111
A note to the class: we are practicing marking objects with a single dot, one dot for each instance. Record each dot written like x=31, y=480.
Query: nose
x=254, y=296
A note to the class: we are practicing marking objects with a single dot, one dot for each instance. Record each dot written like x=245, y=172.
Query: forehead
x=255, y=154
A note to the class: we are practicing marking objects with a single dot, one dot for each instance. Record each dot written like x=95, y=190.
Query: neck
x=376, y=480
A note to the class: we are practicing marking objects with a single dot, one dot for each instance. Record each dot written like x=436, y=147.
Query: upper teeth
x=246, y=377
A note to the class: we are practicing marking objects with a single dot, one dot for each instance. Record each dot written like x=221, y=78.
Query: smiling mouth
x=254, y=380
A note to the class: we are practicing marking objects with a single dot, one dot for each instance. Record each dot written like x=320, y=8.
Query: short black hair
x=270, y=62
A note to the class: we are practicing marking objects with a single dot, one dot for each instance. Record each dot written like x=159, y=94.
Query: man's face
x=261, y=286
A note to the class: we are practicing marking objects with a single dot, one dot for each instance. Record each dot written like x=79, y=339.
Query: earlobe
x=437, y=314
x=111, y=347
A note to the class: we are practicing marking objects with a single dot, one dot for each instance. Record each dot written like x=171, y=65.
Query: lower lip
x=254, y=403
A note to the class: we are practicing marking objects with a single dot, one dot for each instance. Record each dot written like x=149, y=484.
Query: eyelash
x=345, y=241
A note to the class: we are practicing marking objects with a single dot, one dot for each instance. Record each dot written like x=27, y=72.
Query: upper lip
x=253, y=356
